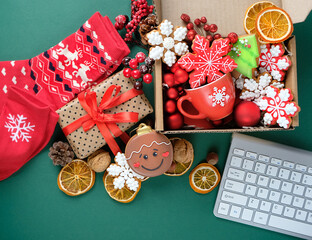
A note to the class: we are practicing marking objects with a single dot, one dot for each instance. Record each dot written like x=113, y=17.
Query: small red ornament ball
x=189, y=26
x=213, y=28
x=136, y=74
x=170, y=106
x=175, y=121
x=148, y=78
x=172, y=93
x=191, y=34
x=174, y=67
x=233, y=37
x=133, y=63
x=203, y=19
x=180, y=76
x=140, y=57
x=197, y=21
x=247, y=114
x=209, y=38
x=127, y=72
x=169, y=79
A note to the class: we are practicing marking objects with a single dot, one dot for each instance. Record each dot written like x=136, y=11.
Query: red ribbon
x=105, y=122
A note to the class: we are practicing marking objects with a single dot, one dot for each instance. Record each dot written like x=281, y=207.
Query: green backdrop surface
x=32, y=206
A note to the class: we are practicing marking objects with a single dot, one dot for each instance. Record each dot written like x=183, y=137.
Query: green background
x=32, y=206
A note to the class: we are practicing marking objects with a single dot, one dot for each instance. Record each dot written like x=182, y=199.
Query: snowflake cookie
x=167, y=42
x=207, y=62
x=255, y=89
x=278, y=107
x=272, y=58
x=123, y=174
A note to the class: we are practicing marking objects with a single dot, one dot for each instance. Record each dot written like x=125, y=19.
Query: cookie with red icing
x=149, y=153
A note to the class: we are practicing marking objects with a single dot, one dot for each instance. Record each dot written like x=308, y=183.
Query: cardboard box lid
x=227, y=14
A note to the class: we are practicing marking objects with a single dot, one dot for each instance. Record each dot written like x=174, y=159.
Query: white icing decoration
x=166, y=28
x=168, y=43
x=278, y=84
x=267, y=119
x=180, y=33
x=290, y=108
x=169, y=58
x=270, y=92
x=181, y=48
x=114, y=170
x=283, y=122
x=132, y=184
x=154, y=38
x=239, y=82
x=156, y=52
x=263, y=104
x=276, y=75
x=284, y=94
x=275, y=50
x=282, y=64
x=251, y=84
x=264, y=80
x=263, y=48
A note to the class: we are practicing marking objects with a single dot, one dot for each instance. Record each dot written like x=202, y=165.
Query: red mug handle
x=179, y=104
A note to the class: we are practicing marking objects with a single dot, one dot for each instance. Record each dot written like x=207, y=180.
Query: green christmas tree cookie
x=245, y=53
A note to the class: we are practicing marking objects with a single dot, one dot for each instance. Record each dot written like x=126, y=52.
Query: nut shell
x=99, y=160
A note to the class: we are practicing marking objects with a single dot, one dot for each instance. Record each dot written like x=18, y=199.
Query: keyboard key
x=263, y=193
x=310, y=170
x=284, y=173
x=274, y=183
x=298, y=202
x=223, y=208
x=287, y=187
x=276, y=161
x=253, y=203
x=235, y=211
x=247, y=214
x=250, y=190
x=236, y=174
x=260, y=168
x=234, y=186
x=238, y=152
x=277, y=209
x=290, y=225
x=263, y=158
x=236, y=161
x=308, y=193
x=251, y=178
x=309, y=219
x=300, y=167
x=272, y=171
x=248, y=164
x=286, y=199
x=307, y=179
x=298, y=190
x=301, y=215
x=288, y=164
x=265, y=206
x=234, y=198
x=308, y=204
x=263, y=181
x=261, y=218
x=251, y=155
x=274, y=196
x=289, y=212
x=295, y=176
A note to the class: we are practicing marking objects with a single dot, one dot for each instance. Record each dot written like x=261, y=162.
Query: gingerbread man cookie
x=167, y=42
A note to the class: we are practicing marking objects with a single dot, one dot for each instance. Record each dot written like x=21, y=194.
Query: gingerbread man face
x=149, y=154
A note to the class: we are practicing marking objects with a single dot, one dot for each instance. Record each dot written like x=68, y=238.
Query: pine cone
x=147, y=25
x=61, y=153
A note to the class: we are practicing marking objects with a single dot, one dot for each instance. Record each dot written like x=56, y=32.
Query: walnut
x=99, y=160
x=183, y=151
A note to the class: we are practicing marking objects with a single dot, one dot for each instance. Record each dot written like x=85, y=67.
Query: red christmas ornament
x=169, y=79
x=174, y=67
x=119, y=26
x=170, y=106
x=172, y=93
x=247, y=114
x=180, y=76
x=140, y=57
x=148, y=78
x=127, y=72
x=135, y=74
x=174, y=121
x=133, y=63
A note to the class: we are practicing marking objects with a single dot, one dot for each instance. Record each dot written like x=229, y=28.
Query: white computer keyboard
x=267, y=185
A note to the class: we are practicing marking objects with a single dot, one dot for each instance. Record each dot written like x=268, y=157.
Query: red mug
x=213, y=101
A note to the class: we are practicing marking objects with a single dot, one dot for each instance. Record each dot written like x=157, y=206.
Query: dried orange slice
x=274, y=25
x=123, y=195
x=76, y=178
x=252, y=13
x=204, y=178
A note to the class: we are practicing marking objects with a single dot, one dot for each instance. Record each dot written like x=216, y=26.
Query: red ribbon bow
x=105, y=122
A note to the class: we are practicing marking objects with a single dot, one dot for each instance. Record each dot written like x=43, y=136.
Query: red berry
x=118, y=26
x=191, y=34
x=121, y=19
x=169, y=79
x=170, y=106
x=213, y=28
x=133, y=63
x=197, y=21
x=203, y=19
x=206, y=27
x=217, y=36
x=138, y=85
x=185, y=18
x=172, y=93
x=148, y=78
x=135, y=74
x=233, y=37
x=190, y=26
x=209, y=38
x=127, y=72
x=140, y=57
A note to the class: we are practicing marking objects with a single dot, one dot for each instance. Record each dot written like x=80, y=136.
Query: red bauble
x=213, y=28
x=189, y=26
x=169, y=79
x=174, y=67
x=206, y=27
x=180, y=76
x=133, y=63
x=247, y=114
x=174, y=121
x=197, y=21
x=127, y=72
x=172, y=93
x=135, y=74
x=203, y=19
x=148, y=78
x=140, y=57
x=170, y=106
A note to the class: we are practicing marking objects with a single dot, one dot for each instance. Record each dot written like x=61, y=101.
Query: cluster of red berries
x=135, y=71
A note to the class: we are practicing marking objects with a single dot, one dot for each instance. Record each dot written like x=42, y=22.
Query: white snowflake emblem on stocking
x=19, y=128
x=219, y=96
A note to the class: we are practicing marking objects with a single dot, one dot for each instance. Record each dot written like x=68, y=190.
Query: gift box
x=102, y=113
x=228, y=15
